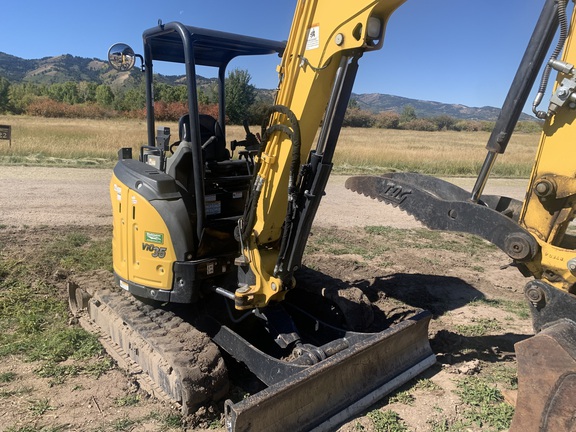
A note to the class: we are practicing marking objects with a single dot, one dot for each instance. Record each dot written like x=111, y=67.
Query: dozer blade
x=325, y=395
x=440, y=205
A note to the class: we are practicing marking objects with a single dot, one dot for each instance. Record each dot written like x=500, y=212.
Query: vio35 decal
x=157, y=252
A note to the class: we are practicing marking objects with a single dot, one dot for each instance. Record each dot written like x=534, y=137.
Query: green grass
x=403, y=397
x=76, y=251
x=426, y=384
x=485, y=405
x=330, y=241
x=172, y=420
x=34, y=312
x=6, y=377
x=478, y=327
x=383, y=239
x=40, y=407
x=387, y=421
x=124, y=424
x=128, y=400
x=422, y=238
x=504, y=374
x=518, y=308
x=168, y=420
x=21, y=391
x=448, y=425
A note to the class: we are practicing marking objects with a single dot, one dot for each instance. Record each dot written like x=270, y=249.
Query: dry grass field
x=85, y=142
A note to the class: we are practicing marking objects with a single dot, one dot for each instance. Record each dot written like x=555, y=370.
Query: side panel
x=119, y=201
x=150, y=250
x=142, y=246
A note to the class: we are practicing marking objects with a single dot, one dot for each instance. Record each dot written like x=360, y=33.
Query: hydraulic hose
x=561, y=13
x=293, y=133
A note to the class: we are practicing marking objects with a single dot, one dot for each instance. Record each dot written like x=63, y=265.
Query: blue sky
x=453, y=51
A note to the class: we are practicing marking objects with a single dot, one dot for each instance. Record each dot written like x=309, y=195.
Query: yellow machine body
x=550, y=203
x=141, y=244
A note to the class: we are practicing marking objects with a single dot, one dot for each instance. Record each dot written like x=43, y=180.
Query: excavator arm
x=316, y=76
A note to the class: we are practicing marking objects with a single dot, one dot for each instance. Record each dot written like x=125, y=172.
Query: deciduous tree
x=240, y=95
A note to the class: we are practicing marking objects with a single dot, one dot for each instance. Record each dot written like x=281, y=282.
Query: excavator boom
x=317, y=72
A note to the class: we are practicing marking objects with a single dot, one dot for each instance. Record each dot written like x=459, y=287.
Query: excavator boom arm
x=316, y=75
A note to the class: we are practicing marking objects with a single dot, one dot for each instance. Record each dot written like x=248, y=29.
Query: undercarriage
x=191, y=358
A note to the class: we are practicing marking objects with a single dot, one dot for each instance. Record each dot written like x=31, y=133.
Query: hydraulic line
x=546, y=74
x=293, y=133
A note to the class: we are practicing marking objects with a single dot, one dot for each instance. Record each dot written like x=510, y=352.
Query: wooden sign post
x=6, y=133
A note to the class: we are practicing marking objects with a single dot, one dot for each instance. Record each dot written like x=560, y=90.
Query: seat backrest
x=209, y=127
x=179, y=165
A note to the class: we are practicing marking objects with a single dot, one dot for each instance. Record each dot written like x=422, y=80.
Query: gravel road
x=36, y=196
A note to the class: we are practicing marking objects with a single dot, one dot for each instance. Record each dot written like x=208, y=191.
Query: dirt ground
x=449, y=283
x=74, y=196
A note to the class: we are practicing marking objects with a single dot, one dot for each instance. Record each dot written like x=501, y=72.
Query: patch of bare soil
x=478, y=311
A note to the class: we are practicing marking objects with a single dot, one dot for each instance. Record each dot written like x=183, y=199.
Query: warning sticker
x=313, y=41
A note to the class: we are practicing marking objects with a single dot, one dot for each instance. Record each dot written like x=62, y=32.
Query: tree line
x=408, y=120
x=92, y=100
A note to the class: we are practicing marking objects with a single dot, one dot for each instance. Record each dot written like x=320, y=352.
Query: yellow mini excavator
x=207, y=247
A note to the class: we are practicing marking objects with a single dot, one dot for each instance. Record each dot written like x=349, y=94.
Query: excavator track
x=170, y=358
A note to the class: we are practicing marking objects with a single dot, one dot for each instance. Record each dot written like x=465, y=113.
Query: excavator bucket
x=547, y=380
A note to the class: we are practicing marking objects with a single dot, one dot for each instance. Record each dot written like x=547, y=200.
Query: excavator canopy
x=171, y=42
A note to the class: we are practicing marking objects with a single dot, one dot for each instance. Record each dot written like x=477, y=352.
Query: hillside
x=377, y=102
x=66, y=67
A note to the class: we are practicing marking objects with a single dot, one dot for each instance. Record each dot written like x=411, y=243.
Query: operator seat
x=213, y=149
x=222, y=176
x=179, y=165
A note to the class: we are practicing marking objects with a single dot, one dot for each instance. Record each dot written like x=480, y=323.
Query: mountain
x=377, y=102
x=49, y=70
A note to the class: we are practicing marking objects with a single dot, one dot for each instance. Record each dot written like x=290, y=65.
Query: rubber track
x=178, y=362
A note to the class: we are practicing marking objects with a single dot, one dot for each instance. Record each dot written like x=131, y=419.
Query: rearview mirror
x=121, y=57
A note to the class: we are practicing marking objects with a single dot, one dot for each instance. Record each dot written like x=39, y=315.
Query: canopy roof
x=169, y=42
